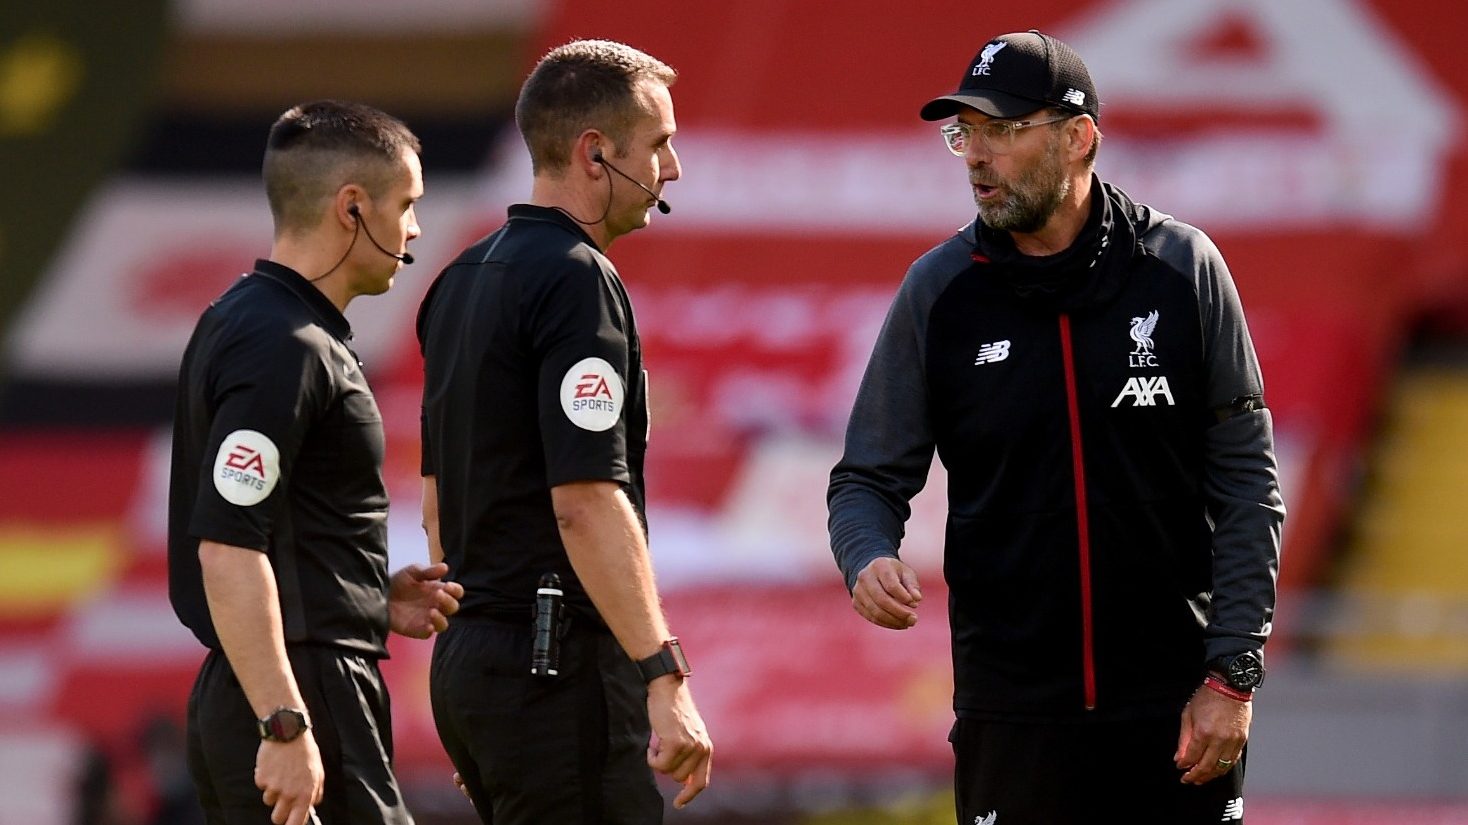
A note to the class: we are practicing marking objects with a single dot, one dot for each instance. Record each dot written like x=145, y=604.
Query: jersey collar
x=331, y=318
x=529, y=211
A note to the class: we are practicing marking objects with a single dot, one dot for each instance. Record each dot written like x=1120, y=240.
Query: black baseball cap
x=1015, y=74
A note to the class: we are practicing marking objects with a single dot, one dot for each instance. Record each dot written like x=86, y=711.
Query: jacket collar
x=1090, y=272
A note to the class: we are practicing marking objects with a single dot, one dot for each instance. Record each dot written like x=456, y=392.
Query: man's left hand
x=1214, y=730
x=419, y=601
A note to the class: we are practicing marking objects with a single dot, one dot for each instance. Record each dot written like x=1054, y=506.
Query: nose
x=672, y=169
x=413, y=230
x=976, y=152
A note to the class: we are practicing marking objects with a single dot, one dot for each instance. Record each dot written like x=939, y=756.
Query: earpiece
x=406, y=257
x=663, y=206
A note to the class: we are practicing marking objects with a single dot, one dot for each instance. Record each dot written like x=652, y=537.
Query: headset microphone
x=406, y=257
x=663, y=206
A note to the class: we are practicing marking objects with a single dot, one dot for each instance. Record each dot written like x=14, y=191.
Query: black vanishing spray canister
x=545, y=654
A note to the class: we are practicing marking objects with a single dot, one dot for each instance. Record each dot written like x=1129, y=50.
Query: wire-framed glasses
x=998, y=135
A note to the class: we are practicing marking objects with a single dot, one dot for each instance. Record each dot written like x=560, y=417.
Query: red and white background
x=1319, y=142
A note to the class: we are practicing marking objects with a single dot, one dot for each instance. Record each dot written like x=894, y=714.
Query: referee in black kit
x=534, y=433
x=277, y=511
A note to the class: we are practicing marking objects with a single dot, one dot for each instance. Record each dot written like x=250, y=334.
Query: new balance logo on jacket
x=992, y=353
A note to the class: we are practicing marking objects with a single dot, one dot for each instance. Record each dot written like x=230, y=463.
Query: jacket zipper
x=1083, y=524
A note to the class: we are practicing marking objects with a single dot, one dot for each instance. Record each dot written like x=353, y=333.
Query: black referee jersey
x=278, y=447
x=532, y=378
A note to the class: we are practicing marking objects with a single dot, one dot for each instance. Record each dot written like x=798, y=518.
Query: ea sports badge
x=592, y=395
x=246, y=468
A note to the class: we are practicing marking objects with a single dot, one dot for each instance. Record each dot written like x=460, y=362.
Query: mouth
x=985, y=191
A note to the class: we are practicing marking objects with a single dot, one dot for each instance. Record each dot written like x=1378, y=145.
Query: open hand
x=419, y=601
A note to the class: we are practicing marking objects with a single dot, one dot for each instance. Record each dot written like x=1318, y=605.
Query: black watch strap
x=668, y=659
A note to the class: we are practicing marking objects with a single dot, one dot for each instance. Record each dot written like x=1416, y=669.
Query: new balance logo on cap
x=992, y=353
x=1074, y=97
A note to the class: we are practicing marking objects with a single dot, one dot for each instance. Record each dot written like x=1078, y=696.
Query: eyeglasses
x=998, y=135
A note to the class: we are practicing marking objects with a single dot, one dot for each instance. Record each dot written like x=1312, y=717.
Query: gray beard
x=1033, y=198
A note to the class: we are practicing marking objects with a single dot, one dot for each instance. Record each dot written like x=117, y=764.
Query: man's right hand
x=887, y=594
x=680, y=744
x=291, y=778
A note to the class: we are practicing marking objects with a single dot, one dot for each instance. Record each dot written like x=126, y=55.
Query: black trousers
x=350, y=719
x=569, y=749
x=1070, y=774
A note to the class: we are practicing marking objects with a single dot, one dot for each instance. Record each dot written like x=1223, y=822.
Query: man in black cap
x=1081, y=363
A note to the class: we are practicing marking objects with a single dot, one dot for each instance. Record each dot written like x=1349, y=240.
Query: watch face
x=1245, y=671
x=668, y=659
x=283, y=725
x=676, y=649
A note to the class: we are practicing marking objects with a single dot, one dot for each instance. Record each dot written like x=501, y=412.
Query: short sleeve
x=579, y=333
x=265, y=388
x=426, y=465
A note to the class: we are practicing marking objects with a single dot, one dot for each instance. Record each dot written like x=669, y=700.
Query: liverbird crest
x=1142, y=333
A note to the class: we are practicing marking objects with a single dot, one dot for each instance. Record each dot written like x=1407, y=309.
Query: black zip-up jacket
x=1114, y=512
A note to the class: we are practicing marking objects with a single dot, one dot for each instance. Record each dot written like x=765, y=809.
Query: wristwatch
x=668, y=659
x=1242, y=671
x=284, y=725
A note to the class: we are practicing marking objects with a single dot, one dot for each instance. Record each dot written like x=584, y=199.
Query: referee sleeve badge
x=592, y=394
x=246, y=468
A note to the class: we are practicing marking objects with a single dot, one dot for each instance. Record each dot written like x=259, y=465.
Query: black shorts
x=1081, y=774
x=569, y=749
x=350, y=720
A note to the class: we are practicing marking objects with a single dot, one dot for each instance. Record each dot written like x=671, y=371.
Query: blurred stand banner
x=151, y=253
x=75, y=85
x=451, y=59
x=334, y=18
x=1319, y=142
x=810, y=184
